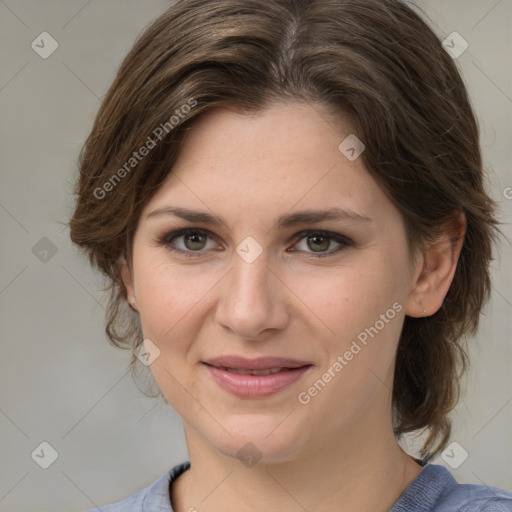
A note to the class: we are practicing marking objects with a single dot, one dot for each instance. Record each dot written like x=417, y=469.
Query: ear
x=435, y=269
x=127, y=278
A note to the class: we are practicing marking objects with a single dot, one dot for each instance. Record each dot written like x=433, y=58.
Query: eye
x=320, y=241
x=188, y=242
x=193, y=242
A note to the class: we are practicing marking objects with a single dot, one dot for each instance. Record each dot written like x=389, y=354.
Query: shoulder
x=476, y=498
x=152, y=497
x=435, y=489
x=468, y=497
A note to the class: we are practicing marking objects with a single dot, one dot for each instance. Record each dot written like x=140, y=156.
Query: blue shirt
x=434, y=489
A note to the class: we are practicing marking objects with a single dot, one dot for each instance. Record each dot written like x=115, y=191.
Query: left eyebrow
x=289, y=220
x=314, y=216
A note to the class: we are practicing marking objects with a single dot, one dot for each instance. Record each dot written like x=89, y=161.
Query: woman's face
x=328, y=295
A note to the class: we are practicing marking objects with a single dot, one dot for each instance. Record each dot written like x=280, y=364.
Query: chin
x=263, y=440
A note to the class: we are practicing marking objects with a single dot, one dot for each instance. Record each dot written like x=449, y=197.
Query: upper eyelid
x=177, y=233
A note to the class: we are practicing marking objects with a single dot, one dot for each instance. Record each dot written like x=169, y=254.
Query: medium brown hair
x=373, y=63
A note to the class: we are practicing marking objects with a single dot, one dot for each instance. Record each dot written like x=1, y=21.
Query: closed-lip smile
x=258, y=377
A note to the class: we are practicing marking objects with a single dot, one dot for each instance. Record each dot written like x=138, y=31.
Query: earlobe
x=434, y=274
x=127, y=278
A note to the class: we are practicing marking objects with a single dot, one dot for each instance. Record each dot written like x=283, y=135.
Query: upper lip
x=259, y=363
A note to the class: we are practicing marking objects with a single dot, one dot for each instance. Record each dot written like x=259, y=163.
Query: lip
x=259, y=363
x=255, y=386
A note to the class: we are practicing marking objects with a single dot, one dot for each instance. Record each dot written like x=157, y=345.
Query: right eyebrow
x=187, y=214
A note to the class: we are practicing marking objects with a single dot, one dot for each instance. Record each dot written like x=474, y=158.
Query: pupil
x=193, y=238
x=316, y=238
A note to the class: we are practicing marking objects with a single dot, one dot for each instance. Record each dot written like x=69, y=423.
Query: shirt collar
x=158, y=496
x=425, y=490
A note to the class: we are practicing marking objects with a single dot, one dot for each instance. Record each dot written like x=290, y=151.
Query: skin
x=338, y=452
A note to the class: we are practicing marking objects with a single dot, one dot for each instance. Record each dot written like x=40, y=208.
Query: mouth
x=234, y=362
x=239, y=371
x=257, y=377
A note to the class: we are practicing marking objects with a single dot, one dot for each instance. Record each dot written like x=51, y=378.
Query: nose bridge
x=250, y=302
x=249, y=283
x=251, y=276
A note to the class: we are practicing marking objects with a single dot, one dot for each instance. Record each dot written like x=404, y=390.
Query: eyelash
x=168, y=238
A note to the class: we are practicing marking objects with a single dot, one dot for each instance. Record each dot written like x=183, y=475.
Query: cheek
x=171, y=299
x=362, y=315
x=167, y=295
x=364, y=310
x=343, y=301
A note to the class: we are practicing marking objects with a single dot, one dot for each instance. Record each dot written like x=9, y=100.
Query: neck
x=365, y=471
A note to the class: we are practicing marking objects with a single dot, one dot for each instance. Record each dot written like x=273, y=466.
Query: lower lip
x=254, y=386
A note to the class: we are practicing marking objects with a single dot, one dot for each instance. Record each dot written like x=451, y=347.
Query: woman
x=287, y=197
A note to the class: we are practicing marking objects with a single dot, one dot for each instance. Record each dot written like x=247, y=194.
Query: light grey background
x=61, y=382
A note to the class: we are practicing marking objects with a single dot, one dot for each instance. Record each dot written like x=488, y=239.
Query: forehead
x=283, y=157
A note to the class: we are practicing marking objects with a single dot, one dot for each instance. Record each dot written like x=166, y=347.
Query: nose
x=253, y=300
